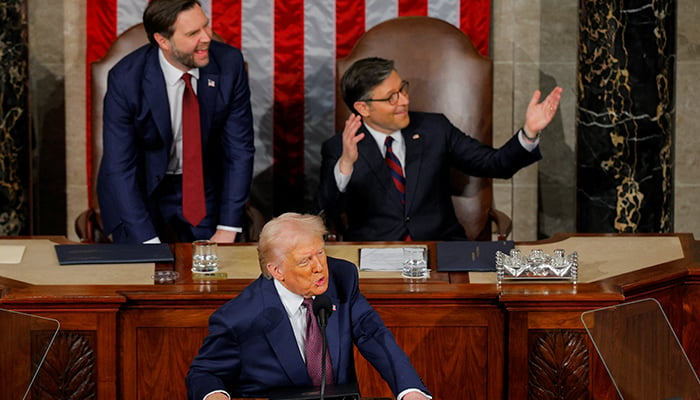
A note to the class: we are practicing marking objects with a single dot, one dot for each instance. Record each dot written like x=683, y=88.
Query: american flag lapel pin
x=416, y=136
x=211, y=83
x=334, y=309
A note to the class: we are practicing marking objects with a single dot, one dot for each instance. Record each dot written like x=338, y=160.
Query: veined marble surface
x=625, y=116
x=14, y=122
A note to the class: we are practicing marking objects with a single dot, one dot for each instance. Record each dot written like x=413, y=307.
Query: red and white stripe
x=291, y=47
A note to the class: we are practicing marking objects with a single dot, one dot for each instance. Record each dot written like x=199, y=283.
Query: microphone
x=323, y=308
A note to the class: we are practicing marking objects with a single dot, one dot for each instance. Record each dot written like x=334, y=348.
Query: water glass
x=204, y=257
x=415, y=262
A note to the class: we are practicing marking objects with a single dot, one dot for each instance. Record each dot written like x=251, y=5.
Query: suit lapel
x=207, y=90
x=371, y=155
x=281, y=337
x=157, y=96
x=414, y=157
x=333, y=333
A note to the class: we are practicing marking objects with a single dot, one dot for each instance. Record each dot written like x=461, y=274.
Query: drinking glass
x=204, y=257
x=415, y=262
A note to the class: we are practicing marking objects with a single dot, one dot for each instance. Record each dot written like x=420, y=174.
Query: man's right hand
x=350, y=140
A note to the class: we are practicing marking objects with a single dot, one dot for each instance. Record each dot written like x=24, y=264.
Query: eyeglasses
x=394, y=97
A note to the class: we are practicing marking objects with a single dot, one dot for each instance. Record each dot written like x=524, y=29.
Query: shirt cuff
x=229, y=228
x=154, y=240
x=527, y=145
x=217, y=391
x=341, y=179
x=405, y=392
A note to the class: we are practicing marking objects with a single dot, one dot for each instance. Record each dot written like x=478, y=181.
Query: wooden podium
x=469, y=339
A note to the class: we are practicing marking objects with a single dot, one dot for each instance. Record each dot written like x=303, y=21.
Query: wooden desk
x=467, y=340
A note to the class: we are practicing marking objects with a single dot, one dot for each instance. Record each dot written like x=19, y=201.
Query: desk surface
x=600, y=257
x=494, y=333
x=609, y=265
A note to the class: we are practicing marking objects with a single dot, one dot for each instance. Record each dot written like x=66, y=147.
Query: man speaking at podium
x=261, y=340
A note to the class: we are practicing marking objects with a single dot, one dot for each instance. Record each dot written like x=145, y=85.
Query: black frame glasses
x=394, y=97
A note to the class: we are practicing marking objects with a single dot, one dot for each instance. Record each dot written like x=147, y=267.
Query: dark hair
x=160, y=16
x=363, y=76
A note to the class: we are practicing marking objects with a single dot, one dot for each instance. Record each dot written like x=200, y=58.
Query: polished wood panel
x=158, y=346
x=468, y=341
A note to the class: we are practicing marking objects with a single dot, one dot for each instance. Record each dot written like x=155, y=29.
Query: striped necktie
x=395, y=168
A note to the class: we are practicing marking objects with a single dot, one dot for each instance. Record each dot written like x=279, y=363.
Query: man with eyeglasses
x=388, y=172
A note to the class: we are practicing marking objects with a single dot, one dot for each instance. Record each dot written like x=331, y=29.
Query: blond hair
x=281, y=234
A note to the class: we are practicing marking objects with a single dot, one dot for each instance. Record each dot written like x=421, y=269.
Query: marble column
x=14, y=122
x=625, y=115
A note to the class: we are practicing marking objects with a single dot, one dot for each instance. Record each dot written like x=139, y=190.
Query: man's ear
x=162, y=41
x=362, y=108
x=275, y=271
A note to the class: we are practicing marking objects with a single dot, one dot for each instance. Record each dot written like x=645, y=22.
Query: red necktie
x=193, y=206
x=395, y=167
x=313, y=347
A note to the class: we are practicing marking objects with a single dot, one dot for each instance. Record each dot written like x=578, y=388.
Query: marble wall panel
x=15, y=143
x=687, y=144
x=625, y=116
x=47, y=110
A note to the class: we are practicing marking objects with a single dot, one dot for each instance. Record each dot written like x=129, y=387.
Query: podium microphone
x=323, y=308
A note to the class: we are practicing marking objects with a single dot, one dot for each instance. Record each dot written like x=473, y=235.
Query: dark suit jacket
x=138, y=136
x=251, y=348
x=433, y=145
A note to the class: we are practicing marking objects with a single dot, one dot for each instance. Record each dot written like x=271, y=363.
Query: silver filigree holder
x=536, y=266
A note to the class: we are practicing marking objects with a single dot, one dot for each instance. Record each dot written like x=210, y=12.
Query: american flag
x=290, y=47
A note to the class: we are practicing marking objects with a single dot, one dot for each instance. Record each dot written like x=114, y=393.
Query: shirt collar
x=290, y=301
x=380, y=137
x=171, y=74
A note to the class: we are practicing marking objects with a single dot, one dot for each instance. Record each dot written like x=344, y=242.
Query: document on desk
x=11, y=253
x=381, y=259
x=73, y=254
x=470, y=256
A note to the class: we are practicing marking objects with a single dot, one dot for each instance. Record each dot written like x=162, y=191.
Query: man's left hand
x=539, y=115
x=223, y=236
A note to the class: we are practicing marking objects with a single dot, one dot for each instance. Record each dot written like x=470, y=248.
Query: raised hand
x=350, y=140
x=539, y=115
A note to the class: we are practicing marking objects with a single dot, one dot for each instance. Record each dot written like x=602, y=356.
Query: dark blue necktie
x=395, y=168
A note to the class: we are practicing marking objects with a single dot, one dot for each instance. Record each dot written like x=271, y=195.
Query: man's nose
x=206, y=35
x=403, y=99
x=317, y=264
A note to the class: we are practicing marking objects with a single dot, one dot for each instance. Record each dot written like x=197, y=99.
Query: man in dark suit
x=257, y=341
x=146, y=148
x=398, y=188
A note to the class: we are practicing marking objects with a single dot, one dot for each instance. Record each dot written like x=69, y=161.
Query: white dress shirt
x=399, y=149
x=175, y=87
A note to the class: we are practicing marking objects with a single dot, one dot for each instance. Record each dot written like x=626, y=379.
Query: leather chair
x=449, y=76
x=88, y=225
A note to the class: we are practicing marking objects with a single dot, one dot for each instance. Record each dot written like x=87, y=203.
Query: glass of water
x=415, y=262
x=204, y=257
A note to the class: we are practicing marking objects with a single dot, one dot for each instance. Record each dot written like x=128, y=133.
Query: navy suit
x=138, y=137
x=433, y=145
x=251, y=348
